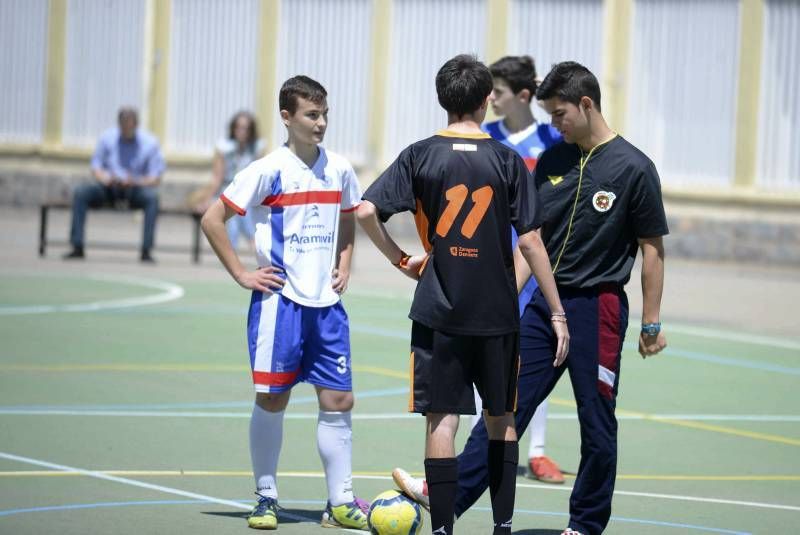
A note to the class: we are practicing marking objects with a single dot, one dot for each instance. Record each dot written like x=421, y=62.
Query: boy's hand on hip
x=340, y=280
x=265, y=279
x=413, y=266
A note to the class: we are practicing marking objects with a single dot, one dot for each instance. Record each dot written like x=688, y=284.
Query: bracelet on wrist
x=559, y=319
x=559, y=314
x=651, y=329
x=403, y=262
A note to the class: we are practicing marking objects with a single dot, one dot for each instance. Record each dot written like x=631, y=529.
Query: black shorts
x=444, y=368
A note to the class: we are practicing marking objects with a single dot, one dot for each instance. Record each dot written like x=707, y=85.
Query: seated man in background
x=127, y=166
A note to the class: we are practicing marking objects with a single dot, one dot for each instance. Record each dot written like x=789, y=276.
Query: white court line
x=168, y=292
x=170, y=490
x=150, y=486
x=735, y=336
x=10, y=411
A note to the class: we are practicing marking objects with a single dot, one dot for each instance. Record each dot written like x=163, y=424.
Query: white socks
x=538, y=431
x=266, y=436
x=335, y=444
x=334, y=440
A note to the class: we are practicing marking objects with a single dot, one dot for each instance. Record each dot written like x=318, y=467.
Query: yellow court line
x=693, y=425
x=171, y=473
x=713, y=428
x=381, y=475
x=386, y=372
x=646, y=477
x=126, y=367
x=123, y=368
x=377, y=370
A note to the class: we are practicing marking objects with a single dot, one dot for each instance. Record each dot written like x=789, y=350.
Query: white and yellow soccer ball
x=391, y=513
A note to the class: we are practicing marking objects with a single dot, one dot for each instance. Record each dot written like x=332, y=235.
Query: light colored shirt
x=296, y=211
x=529, y=143
x=234, y=159
x=129, y=158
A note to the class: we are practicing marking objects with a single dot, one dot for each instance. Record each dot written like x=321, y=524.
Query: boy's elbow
x=365, y=212
x=208, y=219
x=204, y=222
x=530, y=242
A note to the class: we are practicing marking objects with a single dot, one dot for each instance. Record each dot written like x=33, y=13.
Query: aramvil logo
x=603, y=200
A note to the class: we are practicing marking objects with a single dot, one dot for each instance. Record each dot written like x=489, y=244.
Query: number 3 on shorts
x=342, y=367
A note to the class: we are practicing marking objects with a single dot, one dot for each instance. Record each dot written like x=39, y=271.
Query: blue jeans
x=95, y=195
x=598, y=318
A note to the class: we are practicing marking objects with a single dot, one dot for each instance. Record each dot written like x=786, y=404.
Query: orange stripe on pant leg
x=411, y=381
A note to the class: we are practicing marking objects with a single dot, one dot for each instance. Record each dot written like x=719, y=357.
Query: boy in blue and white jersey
x=302, y=199
x=515, y=85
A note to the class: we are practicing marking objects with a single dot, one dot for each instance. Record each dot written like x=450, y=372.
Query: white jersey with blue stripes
x=296, y=211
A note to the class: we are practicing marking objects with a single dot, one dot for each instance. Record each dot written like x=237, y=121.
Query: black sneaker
x=75, y=254
x=147, y=258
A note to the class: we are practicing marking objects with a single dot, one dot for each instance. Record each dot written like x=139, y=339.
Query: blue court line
x=625, y=521
x=669, y=351
x=74, y=507
x=725, y=361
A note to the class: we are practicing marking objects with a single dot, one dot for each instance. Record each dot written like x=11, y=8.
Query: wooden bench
x=45, y=208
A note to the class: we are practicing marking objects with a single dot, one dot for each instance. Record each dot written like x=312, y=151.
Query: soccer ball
x=391, y=513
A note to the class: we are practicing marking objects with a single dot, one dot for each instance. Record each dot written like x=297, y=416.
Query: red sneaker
x=545, y=470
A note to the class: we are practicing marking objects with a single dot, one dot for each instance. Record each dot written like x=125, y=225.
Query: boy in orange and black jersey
x=466, y=191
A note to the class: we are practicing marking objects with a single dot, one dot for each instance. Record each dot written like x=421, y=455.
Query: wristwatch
x=651, y=329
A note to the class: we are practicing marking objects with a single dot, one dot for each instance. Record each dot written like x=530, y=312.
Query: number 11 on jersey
x=456, y=196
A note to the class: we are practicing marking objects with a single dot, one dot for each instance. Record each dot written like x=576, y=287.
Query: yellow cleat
x=264, y=514
x=348, y=515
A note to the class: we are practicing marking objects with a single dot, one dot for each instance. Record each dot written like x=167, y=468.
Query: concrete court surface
x=750, y=299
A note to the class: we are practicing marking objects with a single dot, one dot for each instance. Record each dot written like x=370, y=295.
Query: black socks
x=442, y=477
x=503, y=460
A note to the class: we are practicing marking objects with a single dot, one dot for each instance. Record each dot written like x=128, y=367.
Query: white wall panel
x=331, y=43
x=23, y=65
x=779, y=110
x=103, y=71
x=683, y=86
x=552, y=31
x=212, y=70
x=425, y=35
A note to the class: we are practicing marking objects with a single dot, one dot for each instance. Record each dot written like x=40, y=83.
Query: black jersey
x=466, y=192
x=591, y=236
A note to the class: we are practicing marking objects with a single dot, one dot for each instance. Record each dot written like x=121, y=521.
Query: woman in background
x=231, y=155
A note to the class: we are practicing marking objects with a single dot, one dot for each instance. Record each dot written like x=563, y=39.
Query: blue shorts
x=290, y=343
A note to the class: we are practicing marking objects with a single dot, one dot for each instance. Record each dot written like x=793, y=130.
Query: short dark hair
x=570, y=81
x=126, y=112
x=300, y=86
x=462, y=84
x=252, y=128
x=519, y=72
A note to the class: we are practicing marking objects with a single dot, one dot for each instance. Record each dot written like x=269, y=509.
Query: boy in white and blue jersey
x=302, y=199
x=515, y=85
